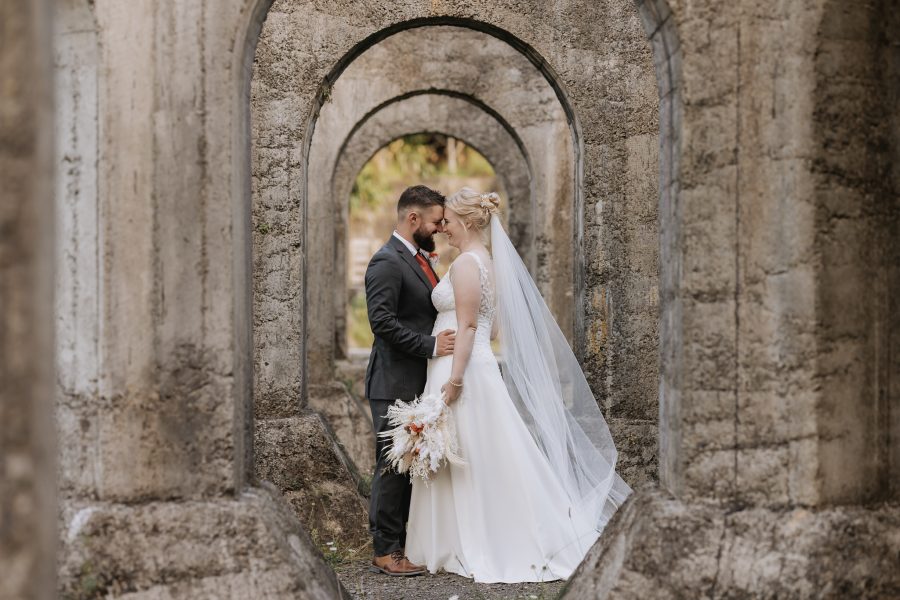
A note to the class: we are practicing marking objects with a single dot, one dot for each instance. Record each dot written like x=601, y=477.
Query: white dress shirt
x=413, y=250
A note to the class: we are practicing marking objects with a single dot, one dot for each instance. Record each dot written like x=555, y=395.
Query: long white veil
x=551, y=393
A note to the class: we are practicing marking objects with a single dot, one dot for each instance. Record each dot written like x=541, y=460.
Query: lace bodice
x=445, y=302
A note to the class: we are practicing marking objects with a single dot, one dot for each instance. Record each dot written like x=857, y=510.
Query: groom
x=399, y=281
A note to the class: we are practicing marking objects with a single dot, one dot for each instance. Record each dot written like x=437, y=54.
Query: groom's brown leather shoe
x=403, y=552
x=395, y=564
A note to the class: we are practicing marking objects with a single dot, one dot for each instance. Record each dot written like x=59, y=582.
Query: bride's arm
x=467, y=292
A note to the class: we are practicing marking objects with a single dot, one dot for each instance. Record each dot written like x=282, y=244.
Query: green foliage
x=412, y=158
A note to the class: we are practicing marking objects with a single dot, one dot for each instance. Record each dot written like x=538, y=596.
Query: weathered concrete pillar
x=27, y=466
x=595, y=83
x=456, y=63
x=778, y=269
x=157, y=430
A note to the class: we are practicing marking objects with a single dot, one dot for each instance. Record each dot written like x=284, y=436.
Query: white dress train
x=501, y=517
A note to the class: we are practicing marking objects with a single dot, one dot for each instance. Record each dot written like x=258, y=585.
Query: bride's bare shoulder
x=465, y=262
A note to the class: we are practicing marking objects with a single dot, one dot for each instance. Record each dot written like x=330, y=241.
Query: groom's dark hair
x=418, y=196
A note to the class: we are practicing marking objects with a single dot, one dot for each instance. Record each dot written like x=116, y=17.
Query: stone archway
x=450, y=115
x=363, y=91
x=775, y=207
x=171, y=420
x=282, y=213
x=740, y=166
x=152, y=406
x=825, y=243
x=456, y=60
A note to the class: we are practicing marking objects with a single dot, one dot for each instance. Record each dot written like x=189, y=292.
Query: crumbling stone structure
x=156, y=481
x=734, y=194
x=584, y=227
x=779, y=329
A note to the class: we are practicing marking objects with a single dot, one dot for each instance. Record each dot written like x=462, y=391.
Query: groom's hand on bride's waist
x=445, y=340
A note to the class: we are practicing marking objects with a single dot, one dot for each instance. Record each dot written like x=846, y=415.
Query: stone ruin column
x=158, y=494
x=27, y=468
x=775, y=420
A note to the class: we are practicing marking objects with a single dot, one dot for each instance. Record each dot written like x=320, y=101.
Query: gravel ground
x=363, y=584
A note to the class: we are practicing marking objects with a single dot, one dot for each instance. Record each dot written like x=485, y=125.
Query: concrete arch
x=661, y=31
x=469, y=63
x=435, y=112
x=440, y=113
x=618, y=298
x=774, y=388
x=177, y=350
x=619, y=146
x=847, y=449
x=184, y=219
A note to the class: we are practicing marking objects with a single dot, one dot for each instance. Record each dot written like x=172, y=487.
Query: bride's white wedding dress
x=504, y=516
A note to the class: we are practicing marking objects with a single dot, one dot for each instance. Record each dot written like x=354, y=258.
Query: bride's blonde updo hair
x=474, y=208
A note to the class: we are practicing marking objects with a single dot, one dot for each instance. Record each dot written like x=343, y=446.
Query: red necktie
x=428, y=272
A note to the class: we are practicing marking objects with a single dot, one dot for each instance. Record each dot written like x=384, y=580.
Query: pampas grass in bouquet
x=423, y=437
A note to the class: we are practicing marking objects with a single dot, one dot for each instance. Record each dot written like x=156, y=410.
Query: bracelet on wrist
x=454, y=384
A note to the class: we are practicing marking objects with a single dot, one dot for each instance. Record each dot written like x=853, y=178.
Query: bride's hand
x=451, y=392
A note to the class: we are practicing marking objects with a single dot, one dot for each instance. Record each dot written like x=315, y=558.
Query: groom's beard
x=425, y=241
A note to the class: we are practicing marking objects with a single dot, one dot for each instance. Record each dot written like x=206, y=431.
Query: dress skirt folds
x=501, y=517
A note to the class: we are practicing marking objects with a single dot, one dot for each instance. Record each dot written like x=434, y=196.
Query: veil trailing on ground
x=551, y=393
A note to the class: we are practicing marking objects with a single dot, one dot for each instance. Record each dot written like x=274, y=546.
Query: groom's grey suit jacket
x=398, y=298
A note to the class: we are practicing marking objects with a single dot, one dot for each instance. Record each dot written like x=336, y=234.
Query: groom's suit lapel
x=411, y=261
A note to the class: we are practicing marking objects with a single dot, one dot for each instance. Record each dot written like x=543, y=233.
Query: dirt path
x=363, y=584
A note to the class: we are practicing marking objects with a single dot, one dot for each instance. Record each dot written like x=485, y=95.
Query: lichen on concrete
x=658, y=547
x=250, y=546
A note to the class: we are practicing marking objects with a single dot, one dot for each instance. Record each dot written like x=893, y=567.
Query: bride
x=539, y=483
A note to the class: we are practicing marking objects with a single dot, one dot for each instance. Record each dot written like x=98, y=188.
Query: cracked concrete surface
x=662, y=548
